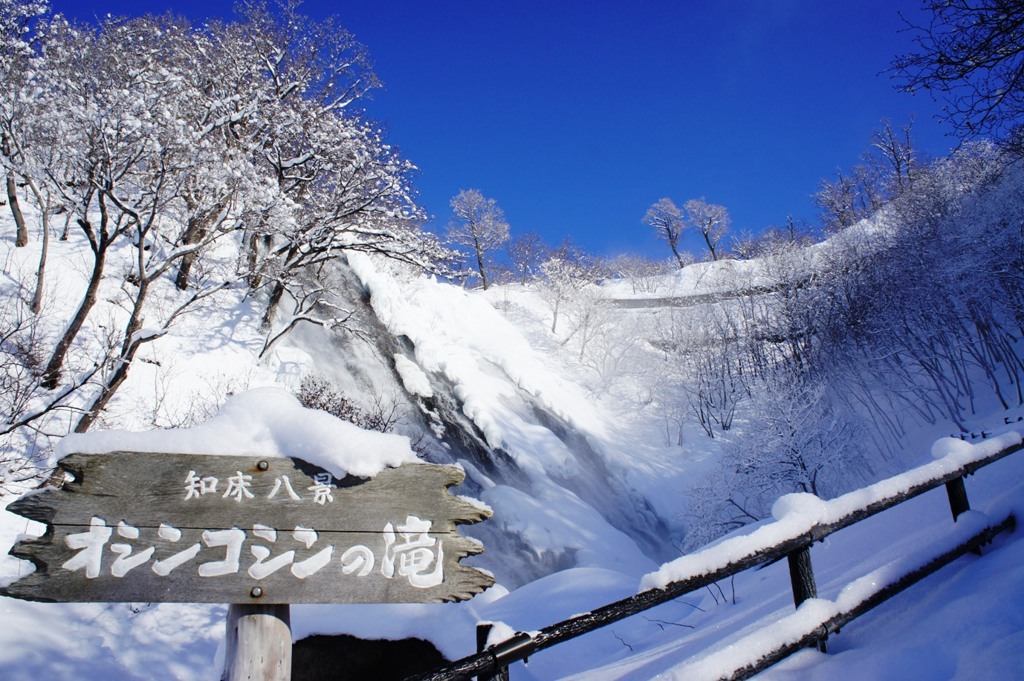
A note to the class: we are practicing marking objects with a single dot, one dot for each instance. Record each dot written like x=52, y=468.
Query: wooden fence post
x=801, y=576
x=259, y=643
x=957, y=493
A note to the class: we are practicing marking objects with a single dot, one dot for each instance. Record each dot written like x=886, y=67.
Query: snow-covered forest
x=206, y=246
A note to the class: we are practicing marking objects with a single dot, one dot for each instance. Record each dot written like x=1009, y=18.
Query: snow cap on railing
x=797, y=514
x=971, y=451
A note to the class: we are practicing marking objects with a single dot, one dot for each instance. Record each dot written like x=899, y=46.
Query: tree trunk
x=285, y=271
x=129, y=346
x=184, y=270
x=275, y=299
x=51, y=375
x=100, y=243
x=711, y=247
x=196, y=231
x=480, y=266
x=19, y=219
x=679, y=258
x=252, y=257
x=44, y=211
x=110, y=388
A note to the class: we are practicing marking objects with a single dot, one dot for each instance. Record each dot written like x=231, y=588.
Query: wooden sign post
x=259, y=533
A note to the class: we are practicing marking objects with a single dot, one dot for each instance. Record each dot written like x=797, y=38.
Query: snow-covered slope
x=577, y=493
x=588, y=489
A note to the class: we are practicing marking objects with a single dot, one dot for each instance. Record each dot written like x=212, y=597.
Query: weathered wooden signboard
x=143, y=527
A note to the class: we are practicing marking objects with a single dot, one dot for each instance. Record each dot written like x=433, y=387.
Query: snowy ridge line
x=695, y=299
x=801, y=520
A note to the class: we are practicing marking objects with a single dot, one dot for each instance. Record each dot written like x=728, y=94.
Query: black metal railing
x=492, y=662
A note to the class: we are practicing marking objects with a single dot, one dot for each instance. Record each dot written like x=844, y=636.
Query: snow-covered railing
x=800, y=520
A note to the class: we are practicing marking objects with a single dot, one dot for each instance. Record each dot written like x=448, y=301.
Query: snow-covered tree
x=277, y=90
x=970, y=52
x=837, y=201
x=793, y=233
x=710, y=367
x=644, y=275
x=567, y=271
x=886, y=170
x=710, y=220
x=16, y=17
x=526, y=252
x=162, y=139
x=358, y=198
x=615, y=353
x=896, y=150
x=478, y=224
x=794, y=440
x=667, y=221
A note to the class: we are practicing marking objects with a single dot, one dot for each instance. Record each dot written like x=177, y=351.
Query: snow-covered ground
x=598, y=488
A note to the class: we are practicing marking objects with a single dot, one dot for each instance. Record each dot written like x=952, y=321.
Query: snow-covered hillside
x=579, y=440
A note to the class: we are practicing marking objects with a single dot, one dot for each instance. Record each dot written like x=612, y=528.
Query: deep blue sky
x=577, y=115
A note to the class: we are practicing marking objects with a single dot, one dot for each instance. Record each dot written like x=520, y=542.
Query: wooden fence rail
x=493, y=662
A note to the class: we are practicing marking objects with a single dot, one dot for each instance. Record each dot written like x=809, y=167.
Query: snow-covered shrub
x=317, y=392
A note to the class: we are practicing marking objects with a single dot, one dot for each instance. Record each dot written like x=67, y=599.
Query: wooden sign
x=142, y=527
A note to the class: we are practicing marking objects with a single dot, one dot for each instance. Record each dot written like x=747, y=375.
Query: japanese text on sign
x=240, y=488
x=409, y=552
x=200, y=528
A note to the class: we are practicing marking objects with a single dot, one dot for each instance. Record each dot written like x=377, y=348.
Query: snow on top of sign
x=265, y=421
